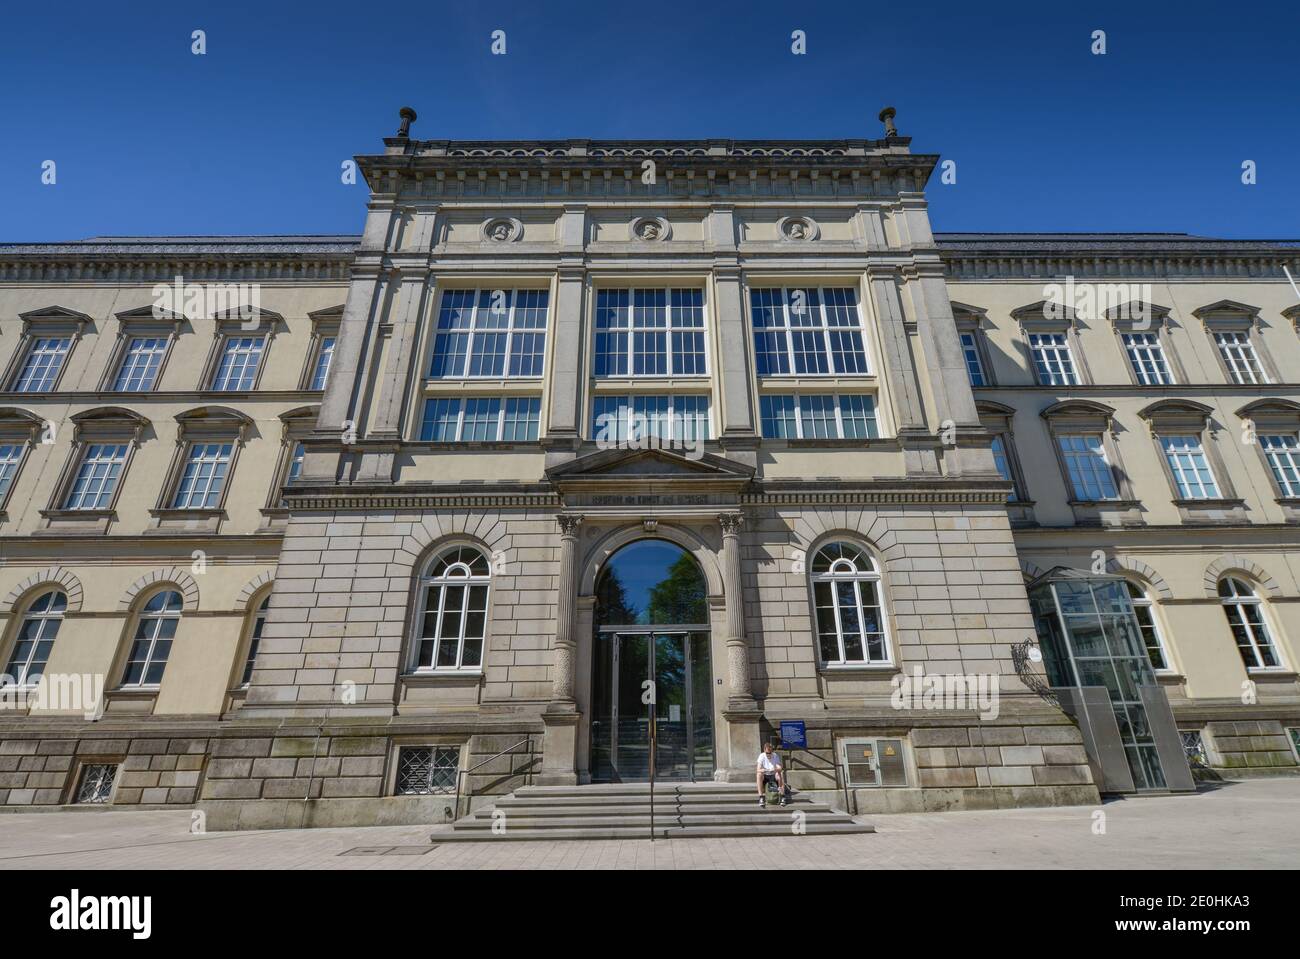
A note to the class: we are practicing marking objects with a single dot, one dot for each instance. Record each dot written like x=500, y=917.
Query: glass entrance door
x=630, y=669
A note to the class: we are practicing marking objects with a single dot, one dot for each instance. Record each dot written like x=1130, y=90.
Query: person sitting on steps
x=769, y=769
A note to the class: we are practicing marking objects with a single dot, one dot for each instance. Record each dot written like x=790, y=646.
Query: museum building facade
x=577, y=430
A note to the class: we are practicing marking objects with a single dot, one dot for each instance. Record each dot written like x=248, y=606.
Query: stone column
x=560, y=717
x=741, y=712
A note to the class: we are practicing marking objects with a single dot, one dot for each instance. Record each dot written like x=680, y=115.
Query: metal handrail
x=841, y=780
x=465, y=772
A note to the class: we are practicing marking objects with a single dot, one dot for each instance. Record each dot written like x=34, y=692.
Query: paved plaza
x=1253, y=824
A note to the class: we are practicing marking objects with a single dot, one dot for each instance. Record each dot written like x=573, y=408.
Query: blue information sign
x=793, y=734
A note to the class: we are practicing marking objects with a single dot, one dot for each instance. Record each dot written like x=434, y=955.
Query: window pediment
x=213, y=420
x=110, y=421
x=1227, y=314
x=1275, y=413
x=1079, y=414
x=1177, y=415
x=54, y=318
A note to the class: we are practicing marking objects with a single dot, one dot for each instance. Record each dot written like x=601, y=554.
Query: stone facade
x=292, y=691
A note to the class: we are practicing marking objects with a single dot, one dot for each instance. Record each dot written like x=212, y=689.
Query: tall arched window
x=452, y=616
x=850, y=614
x=1143, y=609
x=1245, y=613
x=254, y=641
x=154, y=631
x=35, y=639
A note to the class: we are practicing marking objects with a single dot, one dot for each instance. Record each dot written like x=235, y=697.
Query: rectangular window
x=96, y=786
x=1053, y=362
x=1281, y=451
x=1239, y=357
x=650, y=332
x=424, y=770
x=1147, y=357
x=1003, y=462
x=1090, y=473
x=140, y=364
x=204, y=477
x=812, y=331
x=41, y=367
x=97, y=476
x=240, y=358
x=1190, y=469
x=619, y=419
x=974, y=365
x=481, y=419
x=295, y=463
x=10, y=455
x=849, y=416
x=490, y=333
x=323, y=358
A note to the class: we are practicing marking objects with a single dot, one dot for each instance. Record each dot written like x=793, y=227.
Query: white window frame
x=155, y=618
x=1239, y=601
x=257, y=624
x=323, y=361
x=42, y=345
x=970, y=349
x=461, y=402
x=1140, y=598
x=511, y=329
x=91, y=456
x=155, y=357
x=220, y=455
x=652, y=421
x=786, y=329
x=1147, y=358
x=1069, y=457
x=230, y=345
x=1048, y=347
x=1240, y=358
x=46, y=619
x=844, y=570
x=800, y=400
x=465, y=577
x=1282, y=457
x=629, y=328
x=1184, y=469
x=10, y=463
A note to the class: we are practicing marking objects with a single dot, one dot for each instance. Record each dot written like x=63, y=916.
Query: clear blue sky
x=149, y=138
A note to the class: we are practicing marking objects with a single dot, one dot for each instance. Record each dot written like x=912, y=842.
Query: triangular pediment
x=657, y=463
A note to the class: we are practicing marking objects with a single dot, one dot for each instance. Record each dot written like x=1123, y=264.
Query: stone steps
x=622, y=811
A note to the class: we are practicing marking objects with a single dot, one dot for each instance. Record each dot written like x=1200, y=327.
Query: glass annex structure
x=652, y=642
x=1091, y=637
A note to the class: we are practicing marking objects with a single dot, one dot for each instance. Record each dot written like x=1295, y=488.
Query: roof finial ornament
x=407, y=115
x=887, y=117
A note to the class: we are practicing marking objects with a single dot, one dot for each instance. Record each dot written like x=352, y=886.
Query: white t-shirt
x=769, y=763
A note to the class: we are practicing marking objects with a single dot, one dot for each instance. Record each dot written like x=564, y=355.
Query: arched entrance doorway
x=651, y=626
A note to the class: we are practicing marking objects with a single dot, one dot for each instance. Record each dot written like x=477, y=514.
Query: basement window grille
x=97, y=783
x=427, y=770
x=875, y=762
x=1194, y=747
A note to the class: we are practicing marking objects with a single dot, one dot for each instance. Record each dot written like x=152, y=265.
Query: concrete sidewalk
x=1253, y=824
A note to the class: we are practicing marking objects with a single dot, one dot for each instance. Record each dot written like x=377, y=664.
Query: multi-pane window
x=1282, y=451
x=240, y=358
x=97, y=475
x=847, y=597
x=96, y=783
x=818, y=416
x=295, y=463
x=254, y=641
x=154, y=631
x=970, y=350
x=424, y=770
x=1144, y=611
x=1091, y=476
x=650, y=332
x=140, y=364
x=1002, y=459
x=36, y=635
x=11, y=455
x=490, y=333
x=1147, y=357
x=1053, y=362
x=1246, y=620
x=204, y=476
x=324, y=356
x=453, y=611
x=619, y=419
x=511, y=419
x=41, y=367
x=808, y=331
x=1189, y=467
x=1239, y=357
